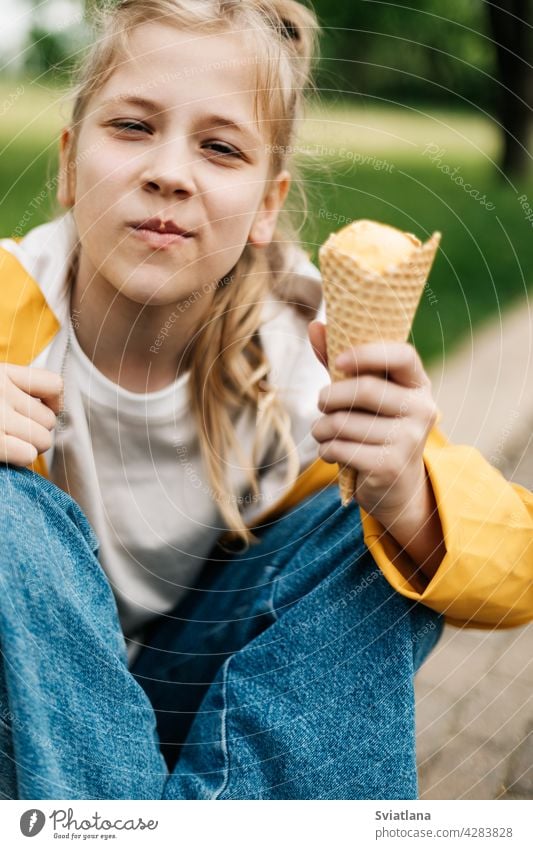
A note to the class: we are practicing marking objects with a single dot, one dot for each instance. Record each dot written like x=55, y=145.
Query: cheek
x=233, y=204
x=101, y=179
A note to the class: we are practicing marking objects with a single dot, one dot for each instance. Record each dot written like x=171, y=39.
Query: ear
x=262, y=230
x=67, y=178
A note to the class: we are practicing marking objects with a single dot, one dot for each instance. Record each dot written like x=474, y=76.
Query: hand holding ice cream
x=378, y=410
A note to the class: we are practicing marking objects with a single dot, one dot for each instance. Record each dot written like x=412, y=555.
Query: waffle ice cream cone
x=373, y=278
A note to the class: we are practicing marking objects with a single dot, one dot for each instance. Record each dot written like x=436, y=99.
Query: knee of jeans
x=29, y=503
x=333, y=554
x=319, y=523
x=19, y=493
x=316, y=509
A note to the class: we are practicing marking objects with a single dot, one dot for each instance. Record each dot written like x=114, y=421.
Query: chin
x=150, y=294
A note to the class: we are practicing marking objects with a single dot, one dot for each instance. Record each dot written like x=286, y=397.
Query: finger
x=38, y=382
x=16, y=451
x=399, y=360
x=33, y=408
x=363, y=458
x=353, y=427
x=373, y=394
x=369, y=461
x=27, y=430
x=317, y=337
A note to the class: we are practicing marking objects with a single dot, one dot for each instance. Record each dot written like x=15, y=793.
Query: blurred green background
x=423, y=121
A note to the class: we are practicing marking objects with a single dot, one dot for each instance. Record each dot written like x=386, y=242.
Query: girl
x=170, y=308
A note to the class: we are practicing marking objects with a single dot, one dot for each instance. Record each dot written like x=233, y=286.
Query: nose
x=169, y=169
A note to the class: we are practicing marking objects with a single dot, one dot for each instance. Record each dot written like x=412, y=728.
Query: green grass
x=358, y=162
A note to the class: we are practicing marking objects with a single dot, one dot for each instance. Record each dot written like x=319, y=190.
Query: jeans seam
x=223, y=730
x=271, y=601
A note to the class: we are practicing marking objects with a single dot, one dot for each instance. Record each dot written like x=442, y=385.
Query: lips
x=157, y=225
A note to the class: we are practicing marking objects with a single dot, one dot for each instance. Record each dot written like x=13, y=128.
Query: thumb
x=317, y=337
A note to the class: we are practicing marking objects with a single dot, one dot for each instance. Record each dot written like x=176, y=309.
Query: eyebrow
x=211, y=121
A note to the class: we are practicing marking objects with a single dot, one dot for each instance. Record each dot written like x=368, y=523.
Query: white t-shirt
x=159, y=531
x=132, y=462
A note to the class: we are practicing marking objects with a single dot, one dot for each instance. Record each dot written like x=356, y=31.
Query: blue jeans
x=286, y=674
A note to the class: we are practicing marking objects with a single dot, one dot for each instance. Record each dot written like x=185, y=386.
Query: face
x=171, y=137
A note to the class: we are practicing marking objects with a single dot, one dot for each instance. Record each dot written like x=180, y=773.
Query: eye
x=222, y=150
x=130, y=126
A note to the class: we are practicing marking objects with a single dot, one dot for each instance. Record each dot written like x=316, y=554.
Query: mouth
x=159, y=233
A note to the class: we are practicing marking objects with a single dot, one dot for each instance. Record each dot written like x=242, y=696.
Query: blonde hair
x=228, y=367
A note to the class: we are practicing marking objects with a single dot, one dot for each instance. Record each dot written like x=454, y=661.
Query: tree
x=55, y=38
x=512, y=30
x=473, y=55
x=408, y=51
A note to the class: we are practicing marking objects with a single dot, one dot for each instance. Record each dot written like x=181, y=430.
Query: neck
x=137, y=346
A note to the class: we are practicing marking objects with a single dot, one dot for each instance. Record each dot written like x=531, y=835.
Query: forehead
x=187, y=71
